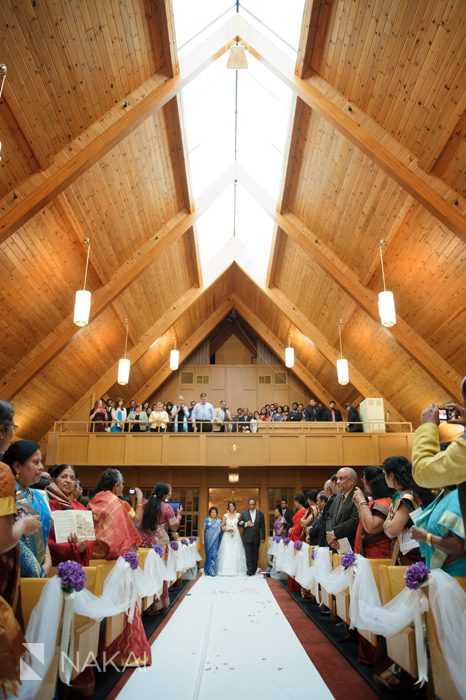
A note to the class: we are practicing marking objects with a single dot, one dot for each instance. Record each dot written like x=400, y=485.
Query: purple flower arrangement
x=416, y=574
x=192, y=538
x=276, y=539
x=185, y=541
x=132, y=559
x=348, y=559
x=286, y=540
x=72, y=576
x=298, y=545
x=158, y=549
x=174, y=545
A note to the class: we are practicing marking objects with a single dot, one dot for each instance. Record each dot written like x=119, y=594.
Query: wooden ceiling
x=92, y=145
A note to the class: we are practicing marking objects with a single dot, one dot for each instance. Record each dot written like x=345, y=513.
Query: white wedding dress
x=231, y=560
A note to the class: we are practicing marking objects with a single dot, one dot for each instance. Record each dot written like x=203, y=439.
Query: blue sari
x=32, y=548
x=442, y=517
x=212, y=537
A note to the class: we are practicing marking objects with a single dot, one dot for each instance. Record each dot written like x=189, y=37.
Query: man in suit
x=332, y=414
x=286, y=512
x=312, y=412
x=222, y=418
x=253, y=523
x=353, y=415
x=343, y=517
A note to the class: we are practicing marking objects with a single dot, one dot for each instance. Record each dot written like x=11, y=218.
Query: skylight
x=237, y=117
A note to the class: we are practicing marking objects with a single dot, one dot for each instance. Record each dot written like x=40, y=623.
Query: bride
x=231, y=557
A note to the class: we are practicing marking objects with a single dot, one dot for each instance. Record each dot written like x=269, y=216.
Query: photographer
x=433, y=468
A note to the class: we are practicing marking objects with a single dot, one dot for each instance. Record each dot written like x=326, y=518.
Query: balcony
x=275, y=444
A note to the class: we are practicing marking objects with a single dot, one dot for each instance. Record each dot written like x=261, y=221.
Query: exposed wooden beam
x=357, y=379
x=432, y=363
x=158, y=329
x=164, y=22
x=186, y=349
x=105, y=134
x=126, y=274
x=276, y=345
x=309, y=28
x=362, y=131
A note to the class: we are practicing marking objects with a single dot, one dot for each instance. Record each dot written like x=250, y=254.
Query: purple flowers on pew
x=72, y=576
x=192, y=538
x=416, y=574
x=348, y=559
x=132, y=559
x=174, y=545
x=286, y=540
x=185, y=541
x=158, y=549
x=298, y=545
x=276, y=539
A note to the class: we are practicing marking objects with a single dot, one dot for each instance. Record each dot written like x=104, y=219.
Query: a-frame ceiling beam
x=411, y=341
x=157, y=330
x=357, y=379
x=362, y=131
x=149, y=387
x=163, y=21
x=278, y=347
x=104, y=296
x=90, y=146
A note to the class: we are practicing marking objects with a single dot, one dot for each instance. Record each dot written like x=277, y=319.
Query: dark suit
x=328, y=415
x=324, y=520
x=252, y=537
x=353, y=415
x=288, y=515
x=343, y=518
x=313, y=413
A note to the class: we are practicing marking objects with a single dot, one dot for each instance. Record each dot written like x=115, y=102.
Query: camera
x=445, y=414
x=132, y=490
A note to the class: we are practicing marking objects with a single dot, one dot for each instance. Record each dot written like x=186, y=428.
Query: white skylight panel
x=215, y=227
x=254, y=229
x=282, y=20
x=194, y=19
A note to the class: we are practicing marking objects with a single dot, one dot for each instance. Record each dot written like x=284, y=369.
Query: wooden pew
x=376, y=564
x=439, y=673
x=328, y=599
x=401, y=648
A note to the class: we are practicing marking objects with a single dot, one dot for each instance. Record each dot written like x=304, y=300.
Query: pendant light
x=237, y=58
x=82, y=303
x=174, y=356
x=386, y=299
x=342, y=363
x=124, y=364
x=289, y=354
x=3, y=72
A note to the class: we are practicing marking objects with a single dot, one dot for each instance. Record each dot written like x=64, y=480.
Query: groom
x=253, y=524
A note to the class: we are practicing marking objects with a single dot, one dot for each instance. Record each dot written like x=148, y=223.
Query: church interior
x=233, y=263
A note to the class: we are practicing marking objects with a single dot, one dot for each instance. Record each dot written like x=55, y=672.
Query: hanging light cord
x=3, y=71
x=126, y=338
x=382, y=244
x=87, y=241
x=339, y=332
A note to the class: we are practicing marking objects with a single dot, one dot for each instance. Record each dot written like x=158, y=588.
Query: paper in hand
x=78, y=522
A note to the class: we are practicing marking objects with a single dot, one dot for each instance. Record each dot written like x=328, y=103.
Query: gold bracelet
x=429, y=539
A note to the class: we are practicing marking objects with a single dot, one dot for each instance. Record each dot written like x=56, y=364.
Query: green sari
x=442, y=517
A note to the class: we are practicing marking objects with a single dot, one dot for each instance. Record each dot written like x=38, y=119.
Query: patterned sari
x=160, y=536
x=11, y=621
x=376, y=546
x=442, y=517
x=32, y=548
x=116, y=535
x=212, y=539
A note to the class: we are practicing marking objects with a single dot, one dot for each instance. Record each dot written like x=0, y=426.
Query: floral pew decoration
x=182, y=555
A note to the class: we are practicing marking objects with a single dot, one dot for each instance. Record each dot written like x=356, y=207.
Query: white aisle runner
x=228, y=638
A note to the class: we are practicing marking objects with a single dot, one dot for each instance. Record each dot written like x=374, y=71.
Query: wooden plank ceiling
x=76, y=68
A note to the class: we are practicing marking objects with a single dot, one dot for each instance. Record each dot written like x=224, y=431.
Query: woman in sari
x=370, y=539
x=212, y=538
x=439, y=530
x=407, y=498
x=157, y=521
x=98, y=416
x=295, y=532
x=280, y=526
x=61, y=495
x=25, y=461
x=115, y=535
x=312, y=511
x=11, y=531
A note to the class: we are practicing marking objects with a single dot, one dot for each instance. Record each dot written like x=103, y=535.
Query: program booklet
x=79, y=522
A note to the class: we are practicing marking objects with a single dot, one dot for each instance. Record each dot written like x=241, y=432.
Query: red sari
x=116, y=535
x=65, y=551
x=294, y=533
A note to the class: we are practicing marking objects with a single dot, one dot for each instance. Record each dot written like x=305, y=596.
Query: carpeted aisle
x=227, y=638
